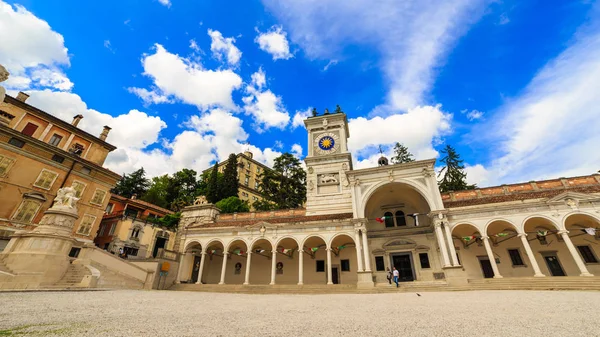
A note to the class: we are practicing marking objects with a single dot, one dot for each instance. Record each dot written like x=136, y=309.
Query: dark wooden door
x=486, y=267
x=196, y=269
x=334, y=275
x=554, y=265
x=160, y=243
x=404, y=267
x=29, y=129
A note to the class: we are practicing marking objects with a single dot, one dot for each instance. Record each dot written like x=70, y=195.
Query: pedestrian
x=389, y=276
x=396, y=274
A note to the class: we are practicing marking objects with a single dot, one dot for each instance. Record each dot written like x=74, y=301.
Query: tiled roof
x=276, y=220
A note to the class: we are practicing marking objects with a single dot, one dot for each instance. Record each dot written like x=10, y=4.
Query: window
x=258, y=170
x=320, y=266
x=400, y=219
x=256, y=185
x=55, y=140
x=79, y=188
x=27, y=211
x=247, y=180
x=135, y=233
x=424, y=258
x=46, y=179
x=29, y=129
x=244, y=194
x=86, y=170
x=345, y=265
x=112, y=228
x=16, y=142
x=5, y=165
x=98, y=197
x=254, y=198
x=130, y=212
x=74, y=252
x=131, y=251
x=587, y=254
x=109, y=208
x=379, y=265
x=458, y=258
x=77, y=149
x=515, y=257
x=86, y=224
x=389, y=219
x=58, y=159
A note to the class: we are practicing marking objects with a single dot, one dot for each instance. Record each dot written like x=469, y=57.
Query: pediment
x=400, y=243
x=262, y=224
x=570, y=195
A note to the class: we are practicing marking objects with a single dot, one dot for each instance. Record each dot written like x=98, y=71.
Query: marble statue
x=3, y=77
x=200, y=200
x=328, y=178
x=65, y=198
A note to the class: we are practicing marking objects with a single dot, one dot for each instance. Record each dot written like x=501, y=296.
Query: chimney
x=76, y=120
x=105, y=132
x=21, y=96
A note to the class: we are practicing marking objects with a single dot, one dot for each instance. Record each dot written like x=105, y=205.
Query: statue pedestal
x=44, y=251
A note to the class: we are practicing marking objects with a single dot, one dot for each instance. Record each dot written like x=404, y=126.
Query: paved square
x=169, y=313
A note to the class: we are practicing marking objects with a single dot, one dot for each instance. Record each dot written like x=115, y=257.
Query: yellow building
x=249, y=171
x=39, y=154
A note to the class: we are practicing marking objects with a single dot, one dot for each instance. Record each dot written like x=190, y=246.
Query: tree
x=264, y=205
x=232, y=205
x=454, y=177
x=133, y=183
x=284, y=186
x=230, y=185
x=401, y=154
x=212, y=190
x=157, y=193
x=169, y=221
x=183, y=187
x=314, y=112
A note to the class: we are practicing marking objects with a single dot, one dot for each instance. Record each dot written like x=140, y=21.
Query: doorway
x=554, y=265
x=160, y=243
x=486, y=267
x=403, y=263
x=196, y=268
x=335, y=276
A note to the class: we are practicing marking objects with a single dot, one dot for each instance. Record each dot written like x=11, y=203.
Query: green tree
x=183, y=187
x=284, y=186
x=401, y=154
x=157, y=193
x=133, y=183
x=212, y=189
x=454, y=177
x=230, y=185
x=233, y=205
x=263, y=205
x=169, y=221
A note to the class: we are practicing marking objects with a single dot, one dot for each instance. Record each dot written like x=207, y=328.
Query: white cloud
x=300, y=116
x=265, y=107
x=278, y=144
x=29, y=48
x=149, y=97
x=275, y=43
x=259, y=79
x=417, y=129
x=411, y=36
x=551, y=130
x=165, y=3
x=473, y=114
x=477, y=174
x=108, y=46
x=186, y=80
x=224, y=48
x=297, y=151
x=194, y=45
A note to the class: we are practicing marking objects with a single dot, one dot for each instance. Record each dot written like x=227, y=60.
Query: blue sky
x=513, y=85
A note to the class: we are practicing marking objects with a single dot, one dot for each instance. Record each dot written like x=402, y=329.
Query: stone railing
x=262, y=215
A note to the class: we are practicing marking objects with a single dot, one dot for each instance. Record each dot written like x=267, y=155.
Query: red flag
x=380, y=220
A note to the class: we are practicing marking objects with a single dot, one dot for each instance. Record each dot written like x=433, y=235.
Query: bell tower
x=327, y=186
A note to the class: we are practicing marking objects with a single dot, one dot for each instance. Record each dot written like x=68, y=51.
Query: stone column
x=366, y=250
x=224, y=267
x=248, y=262
x=453, y=257
x=536, y=268
x=573, y=251
x=273, y=266
x=329, y=271
x=359, y=259
x=202, y=259
x=441, y=244
x=490, y=254
x=300, y=267
x=180, y=270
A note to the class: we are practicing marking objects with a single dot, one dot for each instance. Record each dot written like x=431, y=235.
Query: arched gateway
x=358, y=224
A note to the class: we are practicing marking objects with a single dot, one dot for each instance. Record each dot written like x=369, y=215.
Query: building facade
x=249, y=171
x=358, y=224
x=128, y=225
x=39, y=154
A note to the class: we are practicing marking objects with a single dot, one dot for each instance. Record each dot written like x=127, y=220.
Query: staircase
x=269, y=289
x=537, y=283
x=71, y=279
x=4, y=270
x=113, y=279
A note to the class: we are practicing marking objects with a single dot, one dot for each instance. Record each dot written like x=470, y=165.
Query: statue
x=328, y=178
x=3, y=77
x=201, y=200
x=65, y=198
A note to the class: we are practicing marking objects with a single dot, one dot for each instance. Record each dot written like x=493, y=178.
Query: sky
x=514, y=86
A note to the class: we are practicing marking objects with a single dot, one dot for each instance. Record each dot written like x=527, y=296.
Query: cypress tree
x=230, y=178
x=212, y=190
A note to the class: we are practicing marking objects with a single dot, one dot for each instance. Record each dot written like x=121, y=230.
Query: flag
x=542, y=233
x=500, y=235
x=382, y=219
x=314, y=249
x=259, y=251
x=341, y=247
x=468, y=238
x=213, y=251
x=590, y=231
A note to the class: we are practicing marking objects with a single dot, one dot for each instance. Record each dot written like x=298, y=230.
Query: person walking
x=389, y=276
x=396, y=274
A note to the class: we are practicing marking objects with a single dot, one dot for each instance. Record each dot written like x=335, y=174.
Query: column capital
x=225, y=253
x=274, y=252
x=485, y=238
x=437, y=224
x=204, y=253
x=329, y=249
x=300, y=251
x=356, y=230
x=563, y=231
x=249, y=252
x=522, y=235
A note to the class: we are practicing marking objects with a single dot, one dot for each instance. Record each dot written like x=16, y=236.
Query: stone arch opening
x=315, y=260
x=344, y=262
x=260, y=264
x=190, y=264
x=215, y=250
x=471, y=252
x=584, y=232
x=237, y=256
x=287, y=260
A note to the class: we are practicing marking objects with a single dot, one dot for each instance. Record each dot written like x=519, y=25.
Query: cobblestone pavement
x=169, y=313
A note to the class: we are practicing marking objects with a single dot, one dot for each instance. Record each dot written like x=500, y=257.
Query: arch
x=234, y=240
x=212, y=241
x=539, y=216
x=389, y=219
x=253, y=242
x=286, y=237
x=487, y=225
x=337, y=235
x=419, y=188
x=564, y=219
x=313, y=236
x=400, y=218
x=191, y=243
x=464, y=223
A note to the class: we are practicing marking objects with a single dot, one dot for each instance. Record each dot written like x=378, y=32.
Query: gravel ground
x=169, y=313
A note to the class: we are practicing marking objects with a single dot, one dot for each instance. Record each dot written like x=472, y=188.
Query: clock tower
x=327, y=186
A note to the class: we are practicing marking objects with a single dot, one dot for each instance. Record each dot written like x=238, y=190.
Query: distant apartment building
x=249, y=171
x=128, y=225
x=39, y=154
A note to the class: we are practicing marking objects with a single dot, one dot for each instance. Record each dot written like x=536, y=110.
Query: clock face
x=326, y=143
